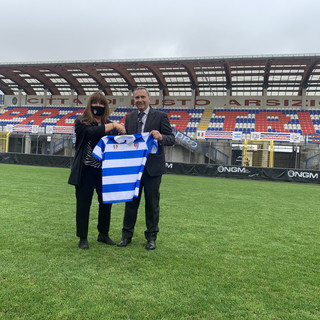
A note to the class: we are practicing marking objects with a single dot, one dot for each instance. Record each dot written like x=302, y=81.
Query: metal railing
x=313, y=162
x=60, y=144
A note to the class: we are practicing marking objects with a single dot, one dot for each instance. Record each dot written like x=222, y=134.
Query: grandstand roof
x=209, y=76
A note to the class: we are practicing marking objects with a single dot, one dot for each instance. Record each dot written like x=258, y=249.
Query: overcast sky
x=69, y=30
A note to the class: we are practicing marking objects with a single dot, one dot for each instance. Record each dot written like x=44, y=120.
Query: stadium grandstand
x=215, y=105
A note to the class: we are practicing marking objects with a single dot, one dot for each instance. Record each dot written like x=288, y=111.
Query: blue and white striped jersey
x=123, y=160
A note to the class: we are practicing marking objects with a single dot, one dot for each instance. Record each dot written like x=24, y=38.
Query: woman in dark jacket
x=86, y=173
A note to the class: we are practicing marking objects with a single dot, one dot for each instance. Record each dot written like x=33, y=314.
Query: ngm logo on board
x=169, y=165
x=302, y=174
x=222, y=169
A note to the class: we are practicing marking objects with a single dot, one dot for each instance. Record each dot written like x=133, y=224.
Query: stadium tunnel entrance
x=284, y=156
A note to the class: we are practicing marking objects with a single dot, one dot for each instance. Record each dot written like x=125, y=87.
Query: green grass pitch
x=227, y=249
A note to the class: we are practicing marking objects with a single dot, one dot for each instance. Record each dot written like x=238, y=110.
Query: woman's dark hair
x=97, y=97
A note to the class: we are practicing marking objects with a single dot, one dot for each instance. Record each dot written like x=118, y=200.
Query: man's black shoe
x=151, y=245
x=124, y=242
x=83, y=244
x=105, y=239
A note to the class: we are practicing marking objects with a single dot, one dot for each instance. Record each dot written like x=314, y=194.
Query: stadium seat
x=247, y=120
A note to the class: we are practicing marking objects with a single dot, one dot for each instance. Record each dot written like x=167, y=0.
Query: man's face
x=141, y=99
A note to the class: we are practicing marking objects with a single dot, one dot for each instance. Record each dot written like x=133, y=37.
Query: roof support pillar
x=72, y=97
x=228, y=97
x=304, y=98
x=45, y=95
x=130, y=95
x=19, y=97
x=27, y=144
x=264, y=97
x=193, y=97
x=161, y=98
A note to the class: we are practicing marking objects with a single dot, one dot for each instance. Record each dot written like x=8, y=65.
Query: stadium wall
x=36, y=159
x=177, y=101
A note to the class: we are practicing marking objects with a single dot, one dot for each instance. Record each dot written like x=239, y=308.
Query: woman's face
x=97, y=109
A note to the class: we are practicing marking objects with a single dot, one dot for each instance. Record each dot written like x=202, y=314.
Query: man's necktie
x=140, y=123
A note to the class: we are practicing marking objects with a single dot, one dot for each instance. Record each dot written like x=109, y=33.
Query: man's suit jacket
x=156, y=120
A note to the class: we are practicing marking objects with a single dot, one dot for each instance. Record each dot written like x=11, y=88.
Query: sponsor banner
x=224, y=135
x=313, y=138
x=59, y=130
x=240, y=172
x=219, y=135
x=236, y=135
x=63, y=130
x=279, y=137
x=295, y=137
x=8, y=127
x=35, y=129
x=49, y=129
x=185, y=140
x=201, y=134
x=22, y=128
x=302, y=175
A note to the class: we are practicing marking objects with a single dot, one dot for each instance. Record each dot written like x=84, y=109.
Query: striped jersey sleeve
x=123, y=160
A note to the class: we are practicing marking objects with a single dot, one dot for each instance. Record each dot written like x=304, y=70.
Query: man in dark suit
x=147, y=119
